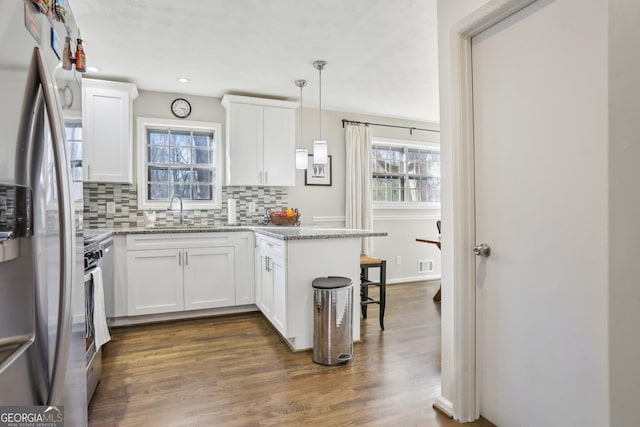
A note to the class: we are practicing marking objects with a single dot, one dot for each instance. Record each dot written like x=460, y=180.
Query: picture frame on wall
x=318, y=174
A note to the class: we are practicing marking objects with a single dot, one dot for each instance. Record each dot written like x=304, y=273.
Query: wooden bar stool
x=365, y=264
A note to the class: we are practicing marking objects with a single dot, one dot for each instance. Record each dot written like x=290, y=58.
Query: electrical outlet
x=252, y=207
x=111, y=207
x=425, y=266
x=398, y=260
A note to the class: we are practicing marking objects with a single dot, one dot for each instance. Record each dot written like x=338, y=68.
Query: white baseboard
x=401, y=217
x=443, y=405
x=323, y=220
x=163, y=317
x=423, y=277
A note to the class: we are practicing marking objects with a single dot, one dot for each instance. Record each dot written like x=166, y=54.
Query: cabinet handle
x=89, y=172
x=186, y=257
x=266, y=177
x=180, y=258
x=260, y=177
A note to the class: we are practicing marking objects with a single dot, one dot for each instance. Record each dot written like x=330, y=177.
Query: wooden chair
x=365, y=264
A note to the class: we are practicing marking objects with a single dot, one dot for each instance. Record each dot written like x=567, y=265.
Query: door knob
x=482, y=250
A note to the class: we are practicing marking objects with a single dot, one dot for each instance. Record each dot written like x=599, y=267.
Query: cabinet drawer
x=274, y=247
x=180, y=240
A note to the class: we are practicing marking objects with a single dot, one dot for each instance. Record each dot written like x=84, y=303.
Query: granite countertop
x=306, y=233
x=91, y=236
x=181, y=229
x=278, y=232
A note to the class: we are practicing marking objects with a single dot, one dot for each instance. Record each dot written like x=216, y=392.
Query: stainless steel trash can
x=332, y=320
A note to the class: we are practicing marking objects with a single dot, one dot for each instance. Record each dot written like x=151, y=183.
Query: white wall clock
x=180, y=108
x=66, y=97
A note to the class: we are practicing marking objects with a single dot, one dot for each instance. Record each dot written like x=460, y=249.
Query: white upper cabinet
x=107, y=129
x=260, y=141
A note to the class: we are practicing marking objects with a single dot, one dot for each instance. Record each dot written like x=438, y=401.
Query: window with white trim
x=73, y=136
x=405, y=174
x=179, y=157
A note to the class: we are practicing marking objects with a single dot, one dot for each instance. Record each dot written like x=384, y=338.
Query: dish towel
x=101, y=329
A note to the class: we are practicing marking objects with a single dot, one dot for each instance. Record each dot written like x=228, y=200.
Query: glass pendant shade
x=302, y=154
x=320, y=152
x=302, y=158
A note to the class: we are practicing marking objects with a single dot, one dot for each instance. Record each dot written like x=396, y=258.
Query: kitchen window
x=73, y=135
x=178, y=157
x=405, y=174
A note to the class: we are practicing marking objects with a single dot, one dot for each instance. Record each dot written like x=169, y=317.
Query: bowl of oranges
x=287, y=216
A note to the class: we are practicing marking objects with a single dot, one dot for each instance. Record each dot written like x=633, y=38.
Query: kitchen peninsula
x=186, y=271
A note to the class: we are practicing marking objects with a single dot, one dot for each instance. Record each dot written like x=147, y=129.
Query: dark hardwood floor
x=236, y=371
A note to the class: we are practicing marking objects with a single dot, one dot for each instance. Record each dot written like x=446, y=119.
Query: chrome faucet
x=181, y=212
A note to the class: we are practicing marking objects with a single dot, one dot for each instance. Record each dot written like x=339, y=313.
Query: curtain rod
x=411, y=128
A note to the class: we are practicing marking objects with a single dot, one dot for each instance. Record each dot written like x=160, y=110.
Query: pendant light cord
x=301, y=84
x=320, y=96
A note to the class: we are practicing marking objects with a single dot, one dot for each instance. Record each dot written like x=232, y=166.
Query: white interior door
x=540, y=129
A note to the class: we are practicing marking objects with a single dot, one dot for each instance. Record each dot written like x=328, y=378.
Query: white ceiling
x=381, y=54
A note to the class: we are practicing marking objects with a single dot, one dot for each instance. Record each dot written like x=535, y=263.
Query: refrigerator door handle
x=67, y=230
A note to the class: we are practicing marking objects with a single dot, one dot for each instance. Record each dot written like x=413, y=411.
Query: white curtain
x=358, y=192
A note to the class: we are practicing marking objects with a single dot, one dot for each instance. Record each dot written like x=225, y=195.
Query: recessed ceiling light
x=93, y=69
x=183, y=80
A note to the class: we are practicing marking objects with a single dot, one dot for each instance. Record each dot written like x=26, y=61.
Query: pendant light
x=320, y=149
x=302, y=159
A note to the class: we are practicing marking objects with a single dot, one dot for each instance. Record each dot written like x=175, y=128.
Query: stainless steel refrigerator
x=41, y=287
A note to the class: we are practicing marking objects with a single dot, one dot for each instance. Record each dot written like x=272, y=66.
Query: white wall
x=624, y=211
x=324, y=206
x=158, y=105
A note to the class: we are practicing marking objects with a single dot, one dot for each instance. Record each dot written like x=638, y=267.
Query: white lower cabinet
x=279, y=294
x=264, y=285
x=187, y=271
x=285, y=270
x=272, y=282
x=209, y=280
x=155, y=279
x=171, y=275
